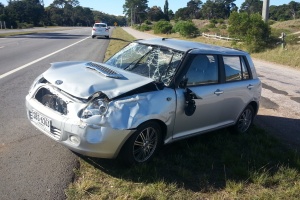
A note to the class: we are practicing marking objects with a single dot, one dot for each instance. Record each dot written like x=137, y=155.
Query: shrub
x=204, y=30
x=213, y=21
x=223, y=26
x=211, y=25
x=220, y=21
x=148, y=22
x=145, y=27
x=162, y=27
x=251, y=29
x=186, y=29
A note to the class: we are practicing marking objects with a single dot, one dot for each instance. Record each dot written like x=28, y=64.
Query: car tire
x=142, y=145
x=245, y=120
x=107, y=37
x=93, y=36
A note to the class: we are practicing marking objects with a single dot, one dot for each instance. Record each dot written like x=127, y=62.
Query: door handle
x=250, y=86
x=218, y=92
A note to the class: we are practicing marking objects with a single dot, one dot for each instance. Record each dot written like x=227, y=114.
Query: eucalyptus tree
x=136, y=10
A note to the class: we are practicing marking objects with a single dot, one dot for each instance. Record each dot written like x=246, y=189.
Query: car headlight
x=96, y=107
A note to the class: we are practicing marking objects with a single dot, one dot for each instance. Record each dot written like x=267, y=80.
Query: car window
x=203, y=70
x=100, y=25
x=235, y=68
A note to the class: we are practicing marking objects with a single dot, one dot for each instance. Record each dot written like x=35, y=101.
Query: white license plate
x=41, y=120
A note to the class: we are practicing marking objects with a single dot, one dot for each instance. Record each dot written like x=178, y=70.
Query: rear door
x=238, y=87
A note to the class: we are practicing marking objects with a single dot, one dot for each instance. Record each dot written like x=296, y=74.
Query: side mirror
x=190, y=106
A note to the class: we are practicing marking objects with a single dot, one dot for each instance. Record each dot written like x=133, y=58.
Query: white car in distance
x=100, y=29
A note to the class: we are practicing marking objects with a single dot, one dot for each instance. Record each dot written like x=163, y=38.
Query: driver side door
x=203, y=82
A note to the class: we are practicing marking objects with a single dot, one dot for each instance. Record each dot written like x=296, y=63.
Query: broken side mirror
x=190, y=106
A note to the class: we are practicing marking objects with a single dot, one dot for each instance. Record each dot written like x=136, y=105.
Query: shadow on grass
x=112, y=38
x=206, y=162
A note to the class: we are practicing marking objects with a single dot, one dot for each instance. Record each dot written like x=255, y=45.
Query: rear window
x=100, y=25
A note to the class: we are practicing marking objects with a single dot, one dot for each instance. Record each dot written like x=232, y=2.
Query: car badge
x=58, y=82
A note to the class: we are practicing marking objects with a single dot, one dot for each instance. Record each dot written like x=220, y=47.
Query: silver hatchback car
x=152, y=92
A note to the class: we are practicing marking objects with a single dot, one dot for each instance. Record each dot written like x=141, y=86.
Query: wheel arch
x=255, y=106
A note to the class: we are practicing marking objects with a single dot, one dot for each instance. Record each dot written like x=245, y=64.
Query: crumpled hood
x=77, y=79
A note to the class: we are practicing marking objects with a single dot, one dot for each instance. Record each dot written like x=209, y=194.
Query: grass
x=218, y=165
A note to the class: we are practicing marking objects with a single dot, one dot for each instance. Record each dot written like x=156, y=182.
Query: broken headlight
x=96, y=107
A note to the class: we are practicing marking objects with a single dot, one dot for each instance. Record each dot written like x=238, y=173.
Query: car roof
x=192, y=47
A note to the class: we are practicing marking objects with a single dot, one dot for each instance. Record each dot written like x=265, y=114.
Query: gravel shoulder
x=279, y=111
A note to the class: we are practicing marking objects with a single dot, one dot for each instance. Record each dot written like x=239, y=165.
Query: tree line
x=30, y=13
x=137, y=11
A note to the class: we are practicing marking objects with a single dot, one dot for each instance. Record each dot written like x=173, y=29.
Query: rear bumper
x=100, y=33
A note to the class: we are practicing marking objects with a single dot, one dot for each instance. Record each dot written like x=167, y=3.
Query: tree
x=182, y=14
x=251, y=29
x=294, y=7
x=194, y=7
x=166, y=10
x=252, y=6
x=63, y=3
x=155, y=14
x=135, y=10
x=218, y=9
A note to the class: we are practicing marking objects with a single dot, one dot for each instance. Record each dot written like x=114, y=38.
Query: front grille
x=56, y=132
x=104, y=70
x=52, y=101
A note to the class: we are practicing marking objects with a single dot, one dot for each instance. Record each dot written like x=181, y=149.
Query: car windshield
x=158, y=63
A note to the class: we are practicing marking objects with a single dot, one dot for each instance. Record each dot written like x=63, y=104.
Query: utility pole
x=265, y=11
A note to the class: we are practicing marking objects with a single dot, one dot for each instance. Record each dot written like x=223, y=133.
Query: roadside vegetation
x=219, y=165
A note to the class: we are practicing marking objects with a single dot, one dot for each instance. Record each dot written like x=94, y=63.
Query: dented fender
x=129, y=112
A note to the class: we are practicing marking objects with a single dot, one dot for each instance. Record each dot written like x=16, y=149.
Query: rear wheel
x=93, y=36
x=142, y=145
x=107, y=36
x=245, y=120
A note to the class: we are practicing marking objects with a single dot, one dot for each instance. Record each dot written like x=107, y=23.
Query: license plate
x=41, y=120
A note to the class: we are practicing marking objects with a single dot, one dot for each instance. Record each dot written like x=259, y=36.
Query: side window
x=235, y=68
x=203, y=70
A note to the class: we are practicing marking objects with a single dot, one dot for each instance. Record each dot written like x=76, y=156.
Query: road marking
x=2, y=47
x=39, y=59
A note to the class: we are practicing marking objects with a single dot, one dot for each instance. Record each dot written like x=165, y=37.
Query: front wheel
x=245, y=120
x=142, y=145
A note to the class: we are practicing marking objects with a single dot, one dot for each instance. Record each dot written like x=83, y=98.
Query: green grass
x=218, y=165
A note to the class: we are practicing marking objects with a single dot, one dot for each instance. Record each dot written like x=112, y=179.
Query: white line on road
x=37, y=60
x=1, y=47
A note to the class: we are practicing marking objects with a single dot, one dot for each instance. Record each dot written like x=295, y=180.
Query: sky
x=115, y=7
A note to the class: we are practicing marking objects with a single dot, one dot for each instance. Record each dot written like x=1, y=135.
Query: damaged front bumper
x=76, y=134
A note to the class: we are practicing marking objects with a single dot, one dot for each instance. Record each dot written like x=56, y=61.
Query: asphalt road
x=32, y=166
